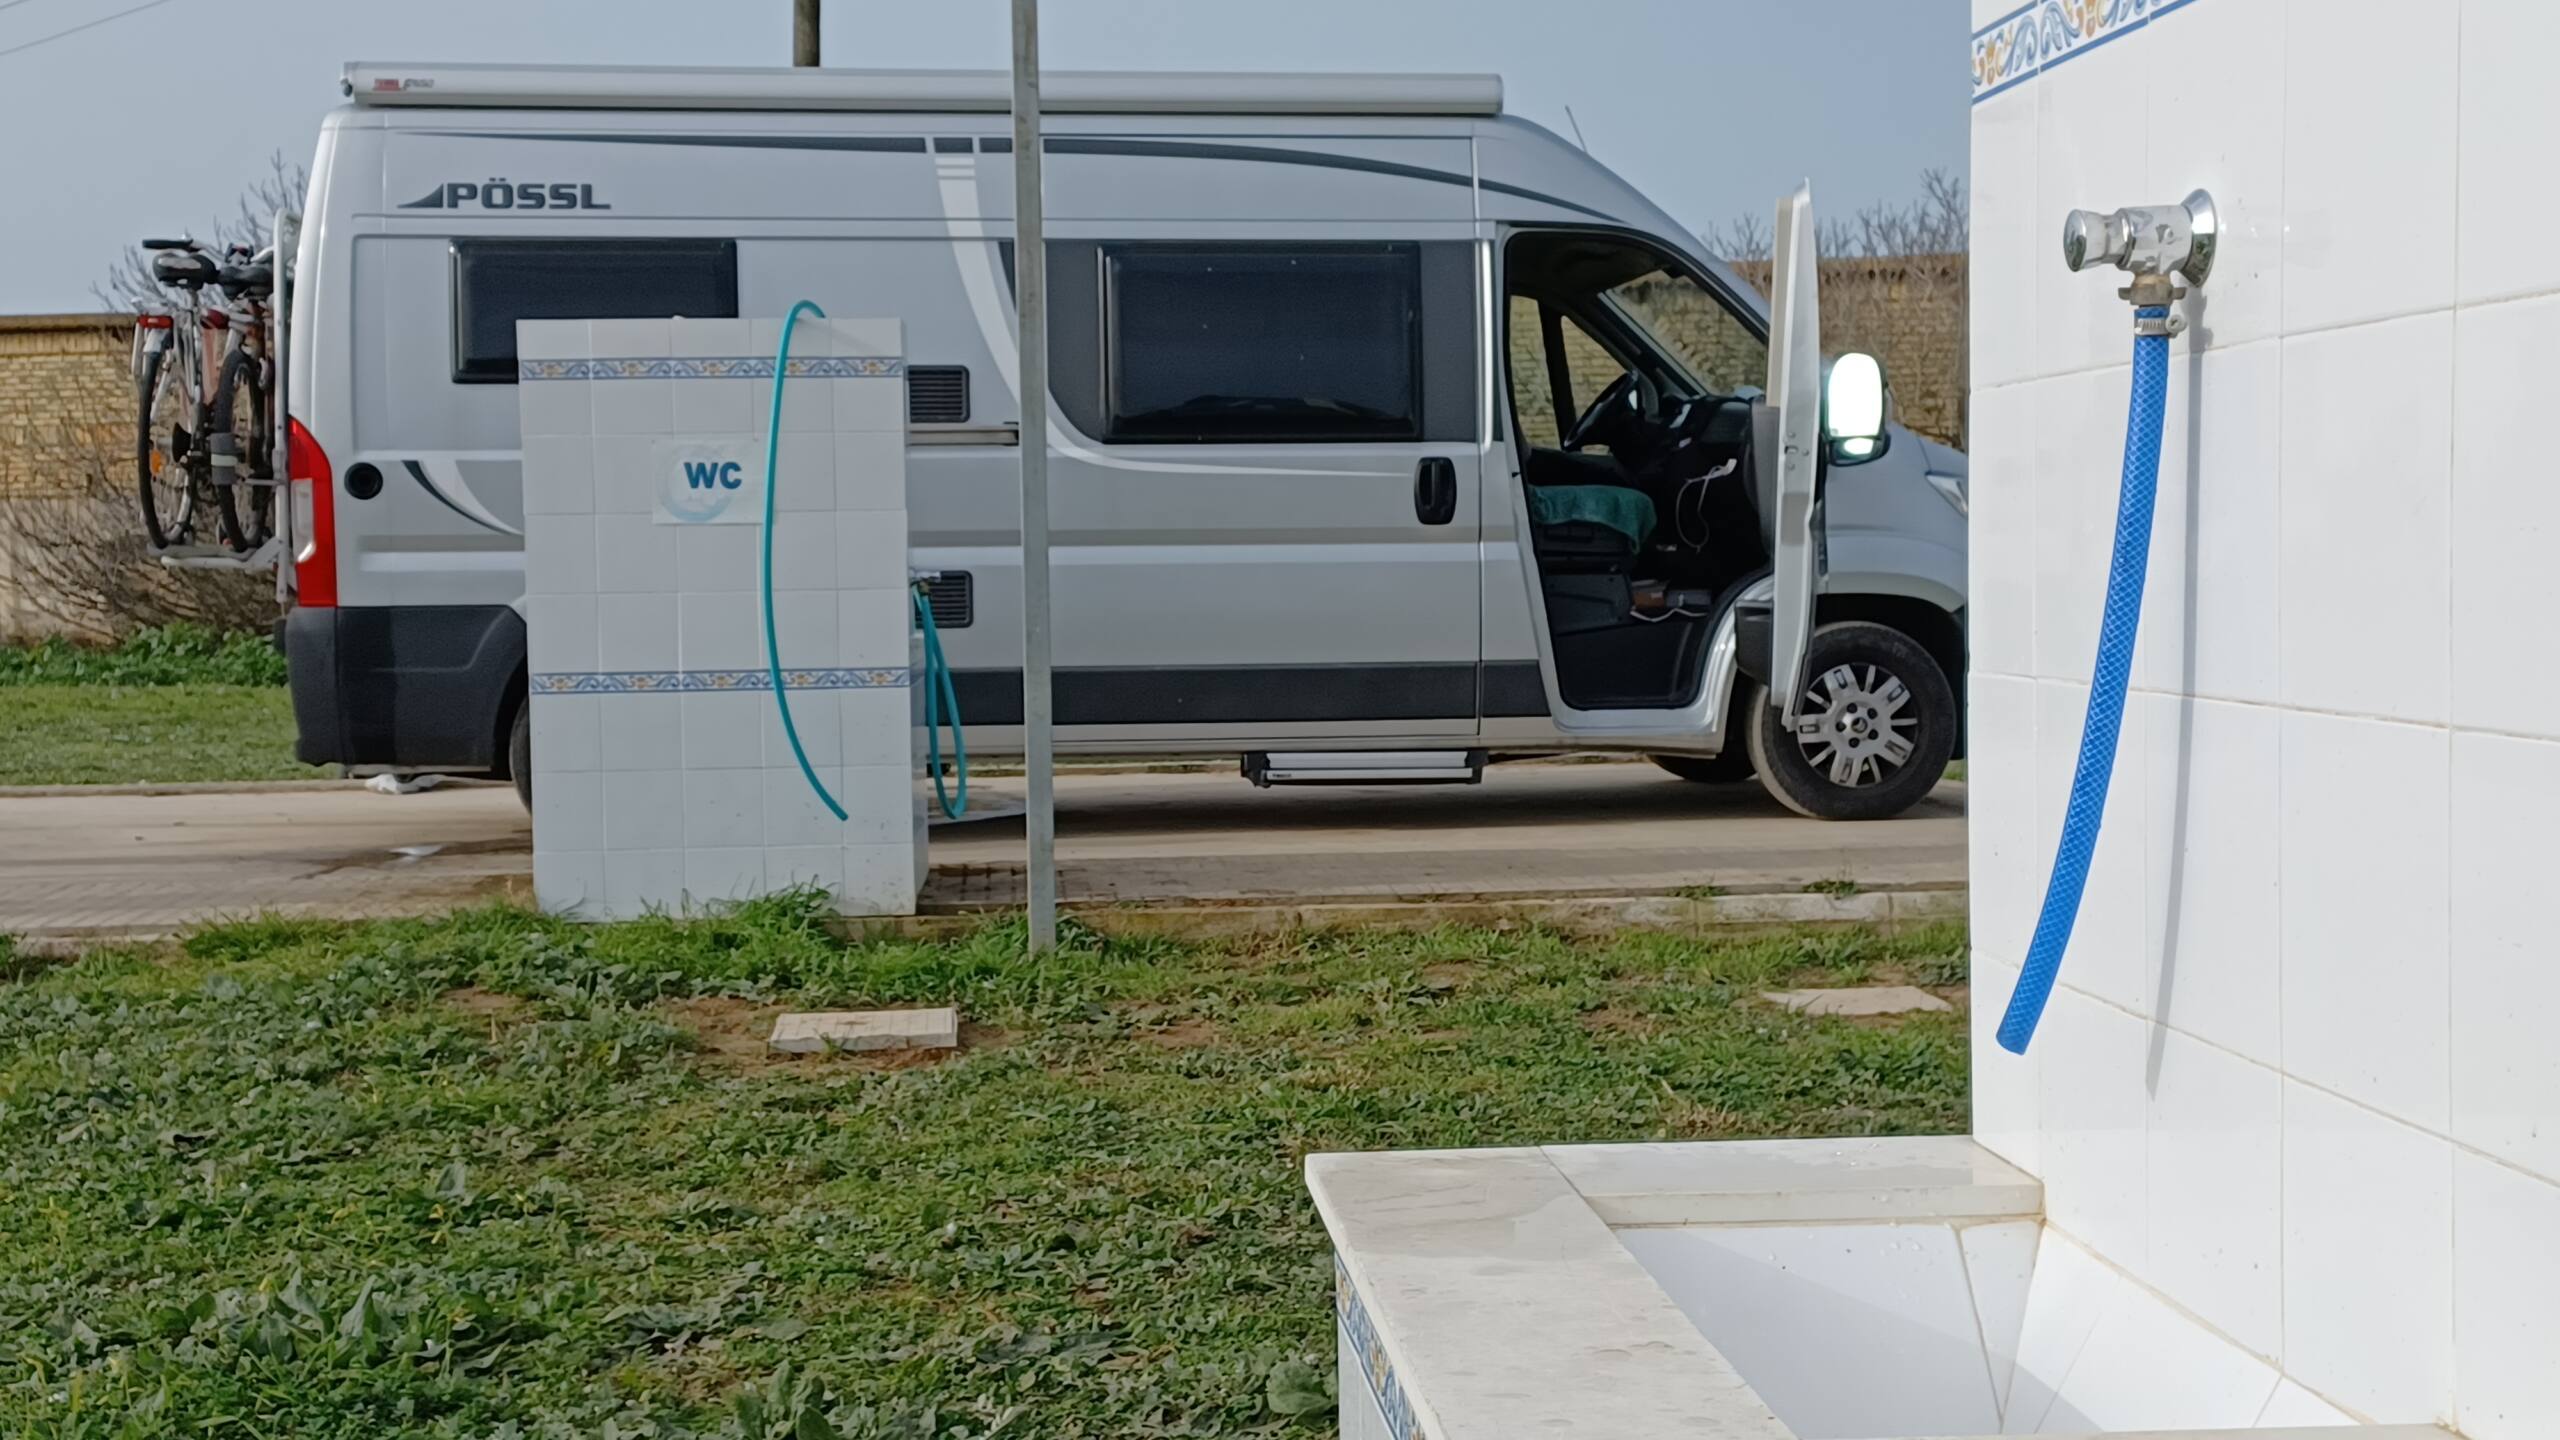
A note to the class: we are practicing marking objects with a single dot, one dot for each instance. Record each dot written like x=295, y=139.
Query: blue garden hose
x=764, y=570
x=2107, y=684
x=941, y=707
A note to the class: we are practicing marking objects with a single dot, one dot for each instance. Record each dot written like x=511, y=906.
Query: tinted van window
x=1262, y=343
x=499, y=282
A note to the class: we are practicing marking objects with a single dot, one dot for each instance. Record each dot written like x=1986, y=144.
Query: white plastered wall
x=2299, y=1080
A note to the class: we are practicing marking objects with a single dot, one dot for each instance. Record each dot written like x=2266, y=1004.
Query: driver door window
x=1535, y=392
x=1721, y=353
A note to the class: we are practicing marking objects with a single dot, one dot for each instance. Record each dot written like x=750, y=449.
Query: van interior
x=1631, y=398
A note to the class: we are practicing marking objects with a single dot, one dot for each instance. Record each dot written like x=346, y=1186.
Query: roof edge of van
x=1124, y=92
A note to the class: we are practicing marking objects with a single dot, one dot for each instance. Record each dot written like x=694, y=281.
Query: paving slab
x=1611, y=838
x=821, y=1032
x=1857, y=1000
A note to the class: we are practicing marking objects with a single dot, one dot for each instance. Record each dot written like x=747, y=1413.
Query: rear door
x=1789, y=454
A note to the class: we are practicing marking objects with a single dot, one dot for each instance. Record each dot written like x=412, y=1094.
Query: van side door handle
x=1435, y=490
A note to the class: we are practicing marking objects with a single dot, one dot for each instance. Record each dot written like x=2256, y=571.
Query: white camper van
x=1390, y=432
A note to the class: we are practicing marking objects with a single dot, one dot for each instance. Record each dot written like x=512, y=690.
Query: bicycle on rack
x=204, y=428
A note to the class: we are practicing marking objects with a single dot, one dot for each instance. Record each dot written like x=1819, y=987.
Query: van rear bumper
x=406, y=686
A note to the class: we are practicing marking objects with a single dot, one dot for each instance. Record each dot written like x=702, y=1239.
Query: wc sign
x=709, y=482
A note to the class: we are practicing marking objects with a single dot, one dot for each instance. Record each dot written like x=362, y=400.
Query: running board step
x=1364, y=767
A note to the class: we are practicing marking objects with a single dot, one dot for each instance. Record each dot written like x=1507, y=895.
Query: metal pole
x=1031, y=280
x=804, y=32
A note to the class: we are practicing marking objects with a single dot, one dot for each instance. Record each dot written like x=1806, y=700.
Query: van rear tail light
x=152, y=322
x=315, y=564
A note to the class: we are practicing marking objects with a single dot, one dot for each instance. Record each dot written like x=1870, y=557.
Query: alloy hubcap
x=1853, y=727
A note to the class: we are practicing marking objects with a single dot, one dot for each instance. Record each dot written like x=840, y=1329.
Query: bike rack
x=284, y=233
x=268, y=556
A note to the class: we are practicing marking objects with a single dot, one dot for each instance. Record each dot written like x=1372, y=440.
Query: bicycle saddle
x=249, y=279
x=184, y=268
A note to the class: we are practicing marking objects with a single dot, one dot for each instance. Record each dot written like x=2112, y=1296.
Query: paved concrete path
x=151, y=863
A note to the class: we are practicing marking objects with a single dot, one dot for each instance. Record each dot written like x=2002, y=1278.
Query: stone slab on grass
x=819, y=1032
x=1859, y=1000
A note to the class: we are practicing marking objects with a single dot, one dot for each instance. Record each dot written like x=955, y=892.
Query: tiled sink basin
x=1783, y=1290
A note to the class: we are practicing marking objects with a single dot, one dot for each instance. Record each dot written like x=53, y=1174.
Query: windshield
x=1692, y=327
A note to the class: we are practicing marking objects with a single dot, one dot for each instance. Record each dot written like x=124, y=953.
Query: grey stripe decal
x=1062, y=145
x=1198, y=150
x=418, y=473
x=1525, y=193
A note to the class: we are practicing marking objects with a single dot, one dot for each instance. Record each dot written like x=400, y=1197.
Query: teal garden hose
x=764, y=566
x=941, y=701
x=941, y=707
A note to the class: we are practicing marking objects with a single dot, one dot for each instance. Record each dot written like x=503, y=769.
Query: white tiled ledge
x=1506, y=1306
x=1796, y=1182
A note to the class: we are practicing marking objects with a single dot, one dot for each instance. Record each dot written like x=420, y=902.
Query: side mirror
x=1854, y=409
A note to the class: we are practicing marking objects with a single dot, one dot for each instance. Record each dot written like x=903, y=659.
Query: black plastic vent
x=953, y=602
x=937, y=394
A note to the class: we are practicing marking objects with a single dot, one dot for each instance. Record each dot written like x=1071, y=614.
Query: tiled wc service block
x=663, y=780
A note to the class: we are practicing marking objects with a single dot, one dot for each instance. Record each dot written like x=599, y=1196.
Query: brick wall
x=73, y=558
x=66, y=389
x=66, y=384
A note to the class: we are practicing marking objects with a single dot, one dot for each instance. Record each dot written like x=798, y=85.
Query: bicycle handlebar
x=181, y=243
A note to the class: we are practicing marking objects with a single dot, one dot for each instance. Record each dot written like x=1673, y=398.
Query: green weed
x=178, y=654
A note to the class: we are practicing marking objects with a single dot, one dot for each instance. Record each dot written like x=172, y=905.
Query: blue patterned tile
x=2045, y=33
x=714, y=367
x=1384, y=1387
x=2007, y=51
x=663, y=682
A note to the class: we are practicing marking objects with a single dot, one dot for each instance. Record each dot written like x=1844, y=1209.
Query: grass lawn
x=79, y=734
x=496, y=1176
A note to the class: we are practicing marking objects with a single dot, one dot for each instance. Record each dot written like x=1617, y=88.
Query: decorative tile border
x=661, y=682
x=2045, y=33
x=1384, y=1387
x=714, y=367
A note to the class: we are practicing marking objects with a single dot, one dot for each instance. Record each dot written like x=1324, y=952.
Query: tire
x=162, y=452
x=1858, y=676
x=246, y=511
x=1731, y=767
x=520, y=753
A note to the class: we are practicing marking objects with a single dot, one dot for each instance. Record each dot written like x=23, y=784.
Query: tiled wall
x=662, y=776
x=2300, y=1076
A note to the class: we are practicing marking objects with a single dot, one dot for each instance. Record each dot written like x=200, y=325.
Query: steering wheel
x=1629, y=397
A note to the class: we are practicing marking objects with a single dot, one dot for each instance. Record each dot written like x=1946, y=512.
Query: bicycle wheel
x=244, y=495
x=163, y=450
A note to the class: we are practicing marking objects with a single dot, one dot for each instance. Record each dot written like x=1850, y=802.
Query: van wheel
x=1875, y=726
x=1729, y=768
x=520, y=753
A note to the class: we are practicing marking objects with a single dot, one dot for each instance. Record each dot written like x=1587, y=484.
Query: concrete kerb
x=1581, y=916
x=212, y=787
x=1584, y=916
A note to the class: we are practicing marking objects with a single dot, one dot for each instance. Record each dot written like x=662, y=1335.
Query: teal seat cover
x=1629, y=512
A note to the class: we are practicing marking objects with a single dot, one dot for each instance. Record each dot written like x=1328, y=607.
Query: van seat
x=1621, y=508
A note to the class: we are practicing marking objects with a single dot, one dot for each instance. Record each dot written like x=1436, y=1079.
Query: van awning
x=1129, y=92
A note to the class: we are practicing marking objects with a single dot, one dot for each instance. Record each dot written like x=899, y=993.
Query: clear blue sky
x=1710, y=106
